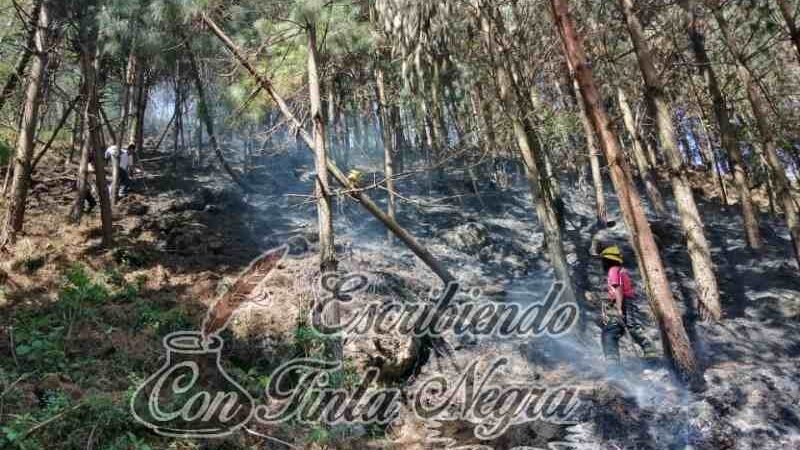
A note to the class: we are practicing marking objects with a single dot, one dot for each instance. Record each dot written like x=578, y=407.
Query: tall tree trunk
x=104, y=121
x=594, y=158
x=141, y=111
x=327, y=251
x=360, y=196
x=696, y=30
x=691, y=222
x=437, y=116
x=639, y=156
x=15, y=216
x=82, y=183
x=718, y=172
x=127, y=93
x=674, y=337
x=136, y=79
x=483, y=113
x=542, y=193
x=776, y=169
x=205, y=115
x=399, y=145
x=177, y=116
x=76, y=142
x=22, y=63
x=89, y=67
x=61, y=122
x=388, y=151
x=788, y=13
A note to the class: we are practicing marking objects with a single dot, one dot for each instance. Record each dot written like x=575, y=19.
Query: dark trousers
x=631, y=321
x=124, y=181
x=89, y=199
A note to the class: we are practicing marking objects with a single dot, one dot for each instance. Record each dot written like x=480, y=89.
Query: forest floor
x=81, y=326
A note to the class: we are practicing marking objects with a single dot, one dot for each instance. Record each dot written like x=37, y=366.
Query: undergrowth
x=87, y=406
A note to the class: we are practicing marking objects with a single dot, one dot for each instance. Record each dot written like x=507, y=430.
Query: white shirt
x=124, y=156
x=124, y=160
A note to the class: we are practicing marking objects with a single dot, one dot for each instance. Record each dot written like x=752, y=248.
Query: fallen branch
x=164, y=133
x=47, y=422
x=420, y=251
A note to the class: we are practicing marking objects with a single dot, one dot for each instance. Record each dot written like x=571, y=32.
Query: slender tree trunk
x=691, y=222
x=22, y=64
x=141, y=111
x=437, y=116
x=82, y=183
x=388, y=152
x=165, y=131
x=76, y=141
x=327, y=249
x=127, y=93
x=15, y=216
x=205, y=115
x=484, y=118
x=674, y=337
x=63, y=121
x=177, y=116
x=774, y=165
x=360, y=196
x=104, y=121
x=639, y=156
x=788, y=13
x=89, y=67
x=134, y=81
x=323, y=190
x=594, y=159
x=696, y=30
x=542, y=192
x=400, y=145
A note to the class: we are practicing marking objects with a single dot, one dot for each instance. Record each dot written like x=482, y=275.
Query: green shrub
x=5, y=152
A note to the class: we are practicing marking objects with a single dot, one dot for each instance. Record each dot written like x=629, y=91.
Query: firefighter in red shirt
x=621, y=314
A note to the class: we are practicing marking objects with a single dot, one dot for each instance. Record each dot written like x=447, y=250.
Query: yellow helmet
x=354, y=177
x=612, y=253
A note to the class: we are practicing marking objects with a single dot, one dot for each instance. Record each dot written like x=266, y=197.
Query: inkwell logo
x=192, y=395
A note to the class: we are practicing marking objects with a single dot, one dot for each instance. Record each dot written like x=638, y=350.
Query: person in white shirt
x=124, y=158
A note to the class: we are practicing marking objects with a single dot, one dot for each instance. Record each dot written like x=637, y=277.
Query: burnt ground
x=86, y=322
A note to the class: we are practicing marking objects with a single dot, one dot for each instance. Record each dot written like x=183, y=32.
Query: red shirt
x=617, y=276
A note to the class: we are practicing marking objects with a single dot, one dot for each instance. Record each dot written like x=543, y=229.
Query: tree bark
x=697, y=245
x=63, y=121
x=323, y=190
x=788, y=13
x=542, y=191
x=359, y=195
x=327, y=249
x=388, y=151
x=696, y=30
x=15, y=216
x=24, y=58
x=110, y=128
x=89, y=67
x=76, y=141
x=594, y=158
x=141, y=111
x=676, y=342
x=639, y=156
x=205, y=115
x=777, y=171
x=130, y=82
x=82, y=183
